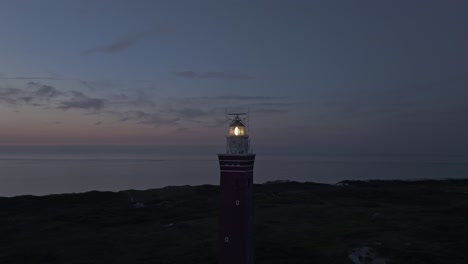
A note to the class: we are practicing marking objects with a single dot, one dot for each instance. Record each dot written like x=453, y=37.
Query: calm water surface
x=42, y=170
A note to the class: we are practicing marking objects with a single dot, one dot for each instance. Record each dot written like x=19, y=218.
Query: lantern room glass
x=236, y=131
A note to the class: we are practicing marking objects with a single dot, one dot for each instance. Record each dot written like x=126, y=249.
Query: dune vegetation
x=361, y=222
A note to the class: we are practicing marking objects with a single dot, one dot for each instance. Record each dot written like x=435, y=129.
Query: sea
x=54, y=170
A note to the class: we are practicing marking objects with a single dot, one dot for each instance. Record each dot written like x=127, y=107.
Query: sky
x=318, y=77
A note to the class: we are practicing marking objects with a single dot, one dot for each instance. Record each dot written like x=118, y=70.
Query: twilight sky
x=319, y=77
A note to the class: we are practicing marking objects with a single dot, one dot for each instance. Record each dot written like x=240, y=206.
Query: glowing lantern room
x=237, y=128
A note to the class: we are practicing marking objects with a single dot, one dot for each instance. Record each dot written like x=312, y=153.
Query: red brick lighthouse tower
x=236, y=183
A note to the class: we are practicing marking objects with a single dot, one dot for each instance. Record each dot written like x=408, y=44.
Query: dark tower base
x=236, y=208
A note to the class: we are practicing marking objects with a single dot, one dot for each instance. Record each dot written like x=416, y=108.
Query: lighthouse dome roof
x=237, y=123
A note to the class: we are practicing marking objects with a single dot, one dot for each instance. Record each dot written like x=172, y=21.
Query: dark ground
x=404, y=222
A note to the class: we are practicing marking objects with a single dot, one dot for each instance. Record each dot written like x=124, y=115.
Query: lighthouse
x=236, y=186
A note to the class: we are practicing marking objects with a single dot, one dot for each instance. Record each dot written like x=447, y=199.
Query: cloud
x=43, y=90
x=30, y=78
x=82, y=101
x=270, y=110
x=32, y=95
x=192, y=108
x=227, y=100
x=140, y=100
x=153, y=119
x=124, y=107
x=192, y=112
x=214, y=75
x=38, y=94
x=10, y=95
x=126, y=42
x=241, y=98
x=139, y=107
x=187, y=112
x=206, y=110
x=10, y=91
